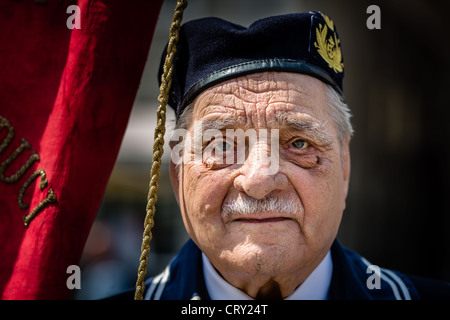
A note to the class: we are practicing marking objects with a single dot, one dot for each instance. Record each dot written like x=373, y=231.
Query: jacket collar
x=183, y=279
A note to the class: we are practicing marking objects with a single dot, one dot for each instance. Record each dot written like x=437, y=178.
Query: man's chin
x=276, y=230
x=262, y=258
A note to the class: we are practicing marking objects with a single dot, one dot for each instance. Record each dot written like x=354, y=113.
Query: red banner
x=69, y=76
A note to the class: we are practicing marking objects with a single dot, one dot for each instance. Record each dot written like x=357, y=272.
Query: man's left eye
x=300, y=144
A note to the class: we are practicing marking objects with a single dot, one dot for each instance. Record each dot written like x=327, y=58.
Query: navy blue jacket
x=183, y=280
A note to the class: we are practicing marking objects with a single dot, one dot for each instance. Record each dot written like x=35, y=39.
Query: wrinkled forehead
x=258, y=100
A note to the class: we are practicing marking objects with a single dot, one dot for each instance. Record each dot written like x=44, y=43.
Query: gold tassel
x=158, y=147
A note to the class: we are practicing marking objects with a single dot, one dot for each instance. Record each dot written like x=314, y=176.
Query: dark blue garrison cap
x=212, y=50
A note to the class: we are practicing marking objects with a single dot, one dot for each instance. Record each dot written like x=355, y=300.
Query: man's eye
x=300, y=144
x=224, y=146
x=220, y=145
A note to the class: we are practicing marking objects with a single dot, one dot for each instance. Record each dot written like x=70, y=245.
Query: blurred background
x=396, y=84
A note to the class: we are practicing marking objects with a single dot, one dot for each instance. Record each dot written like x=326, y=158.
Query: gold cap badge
x=329, y=48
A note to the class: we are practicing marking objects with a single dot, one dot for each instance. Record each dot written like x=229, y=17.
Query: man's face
x=311, y=178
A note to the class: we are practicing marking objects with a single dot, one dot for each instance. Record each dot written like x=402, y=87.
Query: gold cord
x=158, y=147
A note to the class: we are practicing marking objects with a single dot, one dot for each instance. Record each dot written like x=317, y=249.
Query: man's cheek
x=204, y=190
x=192, y=176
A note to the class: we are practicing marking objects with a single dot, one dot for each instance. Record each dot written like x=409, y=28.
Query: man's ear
x=174, y=174
x=346, y=164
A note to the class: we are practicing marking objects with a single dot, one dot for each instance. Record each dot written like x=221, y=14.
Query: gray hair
x=340, y=113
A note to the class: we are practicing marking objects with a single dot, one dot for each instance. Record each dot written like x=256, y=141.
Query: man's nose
x=258, y=177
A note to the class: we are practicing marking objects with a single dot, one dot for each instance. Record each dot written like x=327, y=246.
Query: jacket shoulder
x=357, y=278
x=431, y=289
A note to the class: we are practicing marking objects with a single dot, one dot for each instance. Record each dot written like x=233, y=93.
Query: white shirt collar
x=315, y=287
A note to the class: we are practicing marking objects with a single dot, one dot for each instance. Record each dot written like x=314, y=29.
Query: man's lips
x=262, y=220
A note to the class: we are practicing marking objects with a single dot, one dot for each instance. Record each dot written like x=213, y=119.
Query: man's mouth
x=264, y=220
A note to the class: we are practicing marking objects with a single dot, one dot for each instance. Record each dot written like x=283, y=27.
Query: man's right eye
x=224, y=146
x=218, y=147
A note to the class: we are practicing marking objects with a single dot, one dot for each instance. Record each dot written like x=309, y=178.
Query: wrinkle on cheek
x=315, y=162
x=193, y=176
x=309, y=161
x=322, y=166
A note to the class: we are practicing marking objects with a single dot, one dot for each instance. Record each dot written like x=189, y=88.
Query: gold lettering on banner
x=34, y=157
x=42, y=186
x=9, y=136
x=51, y=198
x=19, y=174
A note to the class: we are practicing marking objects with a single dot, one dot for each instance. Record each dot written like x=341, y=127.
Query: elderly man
x=263, y=215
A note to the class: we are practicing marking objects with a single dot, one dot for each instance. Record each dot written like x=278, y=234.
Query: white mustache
x=244, y=205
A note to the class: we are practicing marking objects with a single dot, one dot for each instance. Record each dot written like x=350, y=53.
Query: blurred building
x=398, y=213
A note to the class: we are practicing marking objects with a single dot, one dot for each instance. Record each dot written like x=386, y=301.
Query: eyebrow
x=313, y=129
x=221, y=124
